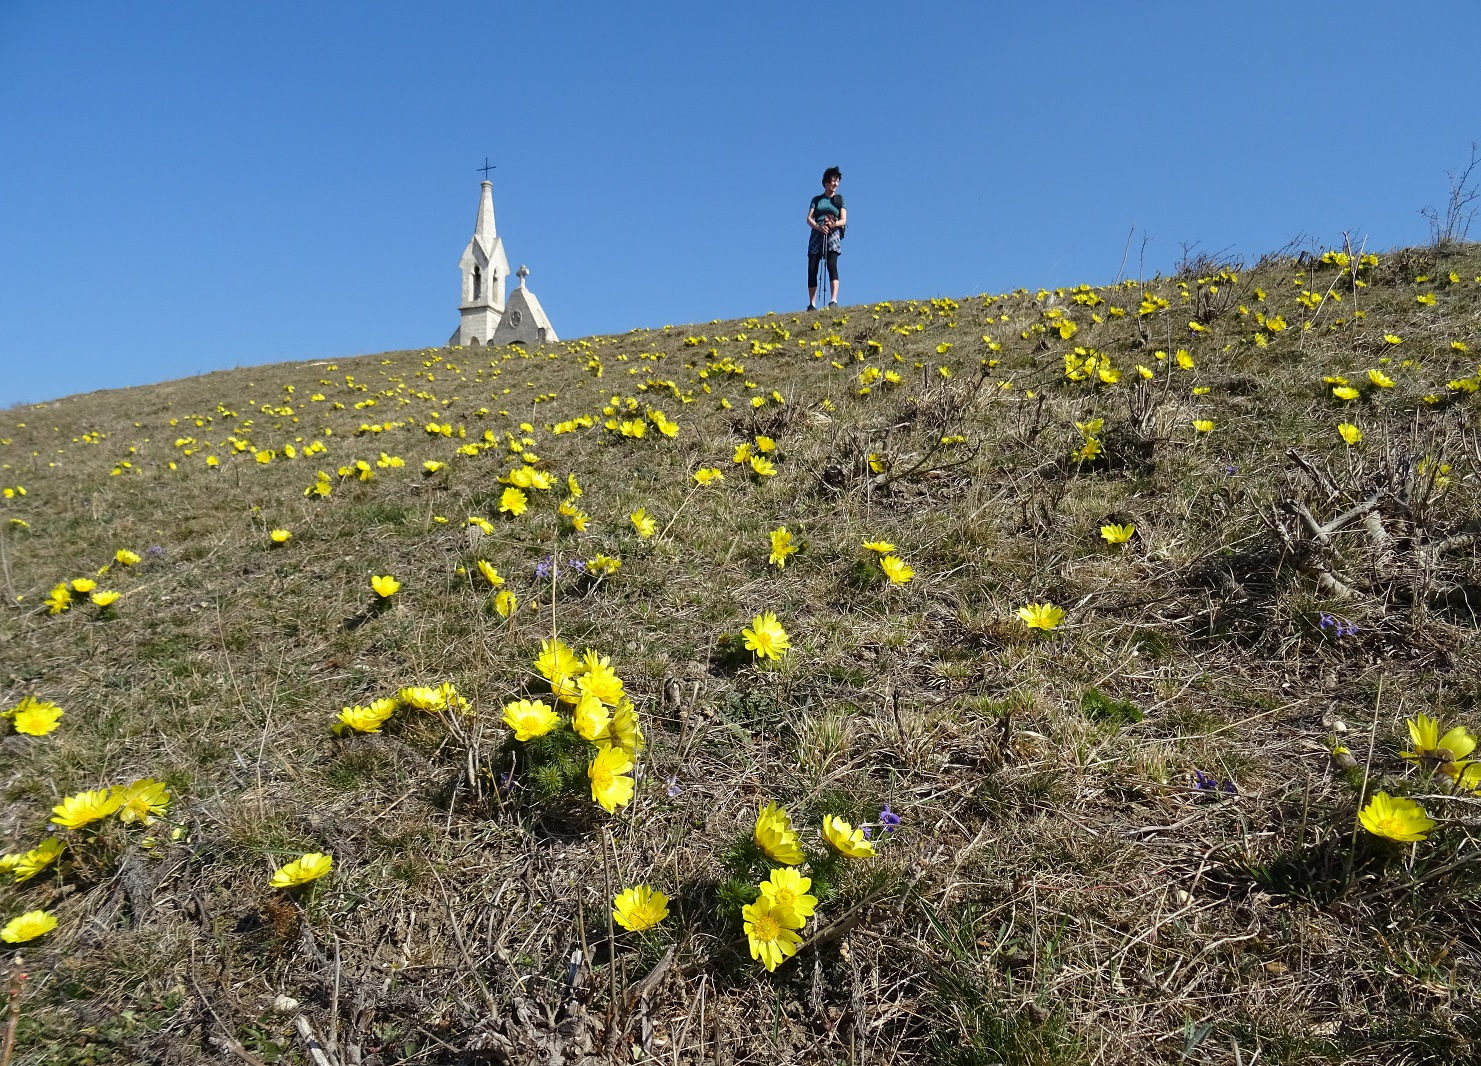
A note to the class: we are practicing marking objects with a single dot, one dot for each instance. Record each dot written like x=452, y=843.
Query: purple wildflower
x=673, y=788
x=888, y=819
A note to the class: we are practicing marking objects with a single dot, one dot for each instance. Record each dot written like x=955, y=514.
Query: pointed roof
x=484, y=231
x=524, y=320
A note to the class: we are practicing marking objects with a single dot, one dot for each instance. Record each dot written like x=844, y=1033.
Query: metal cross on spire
x=486, y=168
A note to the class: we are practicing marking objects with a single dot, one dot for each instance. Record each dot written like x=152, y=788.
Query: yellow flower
x=385, y=585
x=1448, y=752
x=84, y=585
x=505, y=603
x=599, y=679
x=573, y=486
x=708, y=475
x=1117, y=534
x=625, y=730
x=639, y=908
x=59, y=599
x=1395, y=818
x=1346, y=392
x=489, y=573
x=27, y=927
x=557, y=660
x=1043, y=616
x=280, y=536
x=431, y=466
x=74, y=812
x=28, y=864
x=644, y=523
x=610, y=785
x=103, y=597
x=765, y=445
x=302, y=870
x=513, y=502
x=530, y=719
x=126, y=557
x=787, y=891
x=845, y=839
x=1184, y=359
x=775, y=836
x=423, y=697
x=742, y=453
x=368, y=719
x=781, y=547
x=896, y=569
x=1203, y=425
x=590, y=719
x=772, y=940
x=884, y=547
x=766, y=637
x=34, y=717
x=142, y=800
x=1349, y=432
x=1379, y=378
x=762, y=466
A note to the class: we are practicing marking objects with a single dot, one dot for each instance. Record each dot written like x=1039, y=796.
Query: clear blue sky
x=187, y=186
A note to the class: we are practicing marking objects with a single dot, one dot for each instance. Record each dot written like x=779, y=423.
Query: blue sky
x=193, y=186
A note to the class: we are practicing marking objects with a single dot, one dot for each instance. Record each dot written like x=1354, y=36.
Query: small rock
x=284, y=1004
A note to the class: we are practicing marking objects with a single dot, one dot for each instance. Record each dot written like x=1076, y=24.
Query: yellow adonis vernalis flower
x=1043, y=616
x=896, y=569
x=1448, y=752
x=624, y=730
x=1395, y=818
x=762, y=466
x=126, y=557
x=1379, y=378
x=30, y=863
x=781, y=547
x=58, y=599
x=103, y=597
x=367, y=719
x=505, y=603
x=34, y=717
x=775, y=836
x=787, y=890
x=302, y=870
x=1117, y=534
x=1345, y=392
x=74, y=812
x=27, y=926
x=513, y=502
x=385, y=585
x=530, y=719
x=1349, y=432
x=771, y=938
x=490, y=574
x=610, y=786
x=846, y=840
x=84, y=585
x=1203, y=425
x=766, y=637
x=423, y=697
x=590, y=719
x=639, y=908
x=644, y=523
x=599, y=679
x=280, y=536
x=142, y=800
x=884, y=547
x=708, y=475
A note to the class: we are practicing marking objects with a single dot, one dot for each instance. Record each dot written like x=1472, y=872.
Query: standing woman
x=826, y=218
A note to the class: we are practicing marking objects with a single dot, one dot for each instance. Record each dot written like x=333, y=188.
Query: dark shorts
x=815, y=244
x=812, y=267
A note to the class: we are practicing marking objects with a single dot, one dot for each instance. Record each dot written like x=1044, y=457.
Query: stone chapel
x=487, y=318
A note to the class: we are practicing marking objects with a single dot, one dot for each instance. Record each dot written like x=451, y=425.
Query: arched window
x=477, y=283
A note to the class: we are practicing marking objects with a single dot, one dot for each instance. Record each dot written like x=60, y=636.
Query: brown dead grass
x=1059, y=891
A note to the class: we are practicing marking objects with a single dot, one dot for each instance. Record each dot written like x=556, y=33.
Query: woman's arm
x=842, y=216
x=811, y=222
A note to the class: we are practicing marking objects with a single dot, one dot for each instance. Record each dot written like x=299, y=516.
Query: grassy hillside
x=1122, y=838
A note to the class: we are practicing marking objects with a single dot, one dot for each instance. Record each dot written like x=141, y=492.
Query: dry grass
x=1059, y=892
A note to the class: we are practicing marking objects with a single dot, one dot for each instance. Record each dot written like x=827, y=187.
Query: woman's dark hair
x=832, y=172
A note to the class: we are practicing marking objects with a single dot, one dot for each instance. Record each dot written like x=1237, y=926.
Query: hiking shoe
x=812, y=307
x=832, y=303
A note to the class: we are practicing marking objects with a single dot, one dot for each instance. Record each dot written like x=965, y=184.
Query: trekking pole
x=823, y=279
